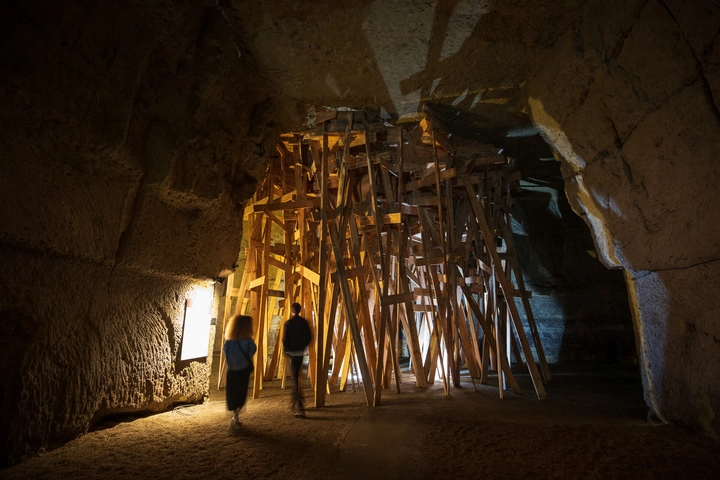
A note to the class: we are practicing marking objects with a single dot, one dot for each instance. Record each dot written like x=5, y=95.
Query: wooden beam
x=506, y=287
x=313, y=277
x=431, y=179
x=322, y=319
x=390, y=218
x=398, y=298
x=350, y=314
x=309, y=202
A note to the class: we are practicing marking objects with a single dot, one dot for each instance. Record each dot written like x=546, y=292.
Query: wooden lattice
x=388, y=232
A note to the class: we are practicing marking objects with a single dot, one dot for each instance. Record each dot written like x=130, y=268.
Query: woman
x=239, y=349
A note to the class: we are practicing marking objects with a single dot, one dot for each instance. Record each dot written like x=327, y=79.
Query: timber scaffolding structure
x=386, y=229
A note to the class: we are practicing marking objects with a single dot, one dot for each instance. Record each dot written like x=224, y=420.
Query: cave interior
x=134, y=135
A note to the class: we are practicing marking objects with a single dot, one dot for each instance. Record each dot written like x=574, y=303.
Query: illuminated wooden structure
x=388, y=232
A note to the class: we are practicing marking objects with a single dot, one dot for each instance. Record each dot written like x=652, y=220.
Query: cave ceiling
x=466, y=60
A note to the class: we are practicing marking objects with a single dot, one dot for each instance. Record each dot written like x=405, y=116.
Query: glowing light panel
x=196, y=328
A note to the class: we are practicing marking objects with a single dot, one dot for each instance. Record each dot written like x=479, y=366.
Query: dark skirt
x=236, y=388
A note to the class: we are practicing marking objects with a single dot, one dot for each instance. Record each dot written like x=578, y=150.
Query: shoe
x=299, y=414
x=234, y=426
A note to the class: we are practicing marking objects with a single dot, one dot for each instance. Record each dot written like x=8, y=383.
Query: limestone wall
x=131, y=135
x=630, y=101
x=81, y=341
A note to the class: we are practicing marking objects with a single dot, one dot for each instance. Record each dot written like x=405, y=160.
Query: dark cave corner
x=581, y=306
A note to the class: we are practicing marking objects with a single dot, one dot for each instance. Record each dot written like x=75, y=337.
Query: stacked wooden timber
x=390, y=237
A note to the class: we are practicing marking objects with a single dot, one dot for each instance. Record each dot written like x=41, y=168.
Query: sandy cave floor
x=593, y=425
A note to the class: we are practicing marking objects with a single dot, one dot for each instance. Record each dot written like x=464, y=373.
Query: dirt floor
x=593, y=425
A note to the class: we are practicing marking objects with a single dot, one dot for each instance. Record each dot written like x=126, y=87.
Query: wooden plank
x=325, y=116
x=470, y=347
x=222, y=376
x=350, y=314
x=332, y=309
x=430, y=179
x=256, y=283
x=373, y=191
x=398, y=298
x=407, y=209
x=487, y=333
x=438, y=316
x=390, y=218
x=427, y=261
x=505, y=285
x=275, y=219
x=261, y=320
x=250, y=208
x=525, y=295
x=361, y=271
x=310, y=275
x=340, y=344
x=310, y=202
x=426, y=200
x=381, y=331
x=322, y=319
x=279, y=264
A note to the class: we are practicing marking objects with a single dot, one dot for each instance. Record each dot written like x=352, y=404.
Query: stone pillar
x=629, y=102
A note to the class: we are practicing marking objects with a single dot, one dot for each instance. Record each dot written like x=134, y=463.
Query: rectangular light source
x=196, y=327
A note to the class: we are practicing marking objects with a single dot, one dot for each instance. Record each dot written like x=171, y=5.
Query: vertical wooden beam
x=332, y=315
x=507, y=233
x=350, y=312
x=222, y=370
x=488, y=340
x=409, y=325
x=373, y=191
x=499, y=348
x=260, y=314
x=321, y=375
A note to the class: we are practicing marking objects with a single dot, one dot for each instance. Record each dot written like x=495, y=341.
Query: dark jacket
x=239, y=353
x=296, y=336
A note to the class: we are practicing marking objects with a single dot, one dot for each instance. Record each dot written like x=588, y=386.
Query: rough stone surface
x=636, y=123
x=394, y=55
x=110, y=343
x=131, y=134
x=679, y=343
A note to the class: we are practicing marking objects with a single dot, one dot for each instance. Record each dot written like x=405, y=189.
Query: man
x=296, y=338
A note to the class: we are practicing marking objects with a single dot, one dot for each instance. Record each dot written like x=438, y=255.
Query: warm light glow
x=196, y=328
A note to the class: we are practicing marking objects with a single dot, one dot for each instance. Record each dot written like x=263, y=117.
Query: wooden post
x=321, y=376
x=350, y=312
x=222, y=369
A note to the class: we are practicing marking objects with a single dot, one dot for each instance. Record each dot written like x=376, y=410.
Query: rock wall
x=81, y=341
x=629, y=99
x=131, y=135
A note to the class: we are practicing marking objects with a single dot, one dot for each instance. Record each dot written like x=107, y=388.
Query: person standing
x=239, y=348
x=296, y=338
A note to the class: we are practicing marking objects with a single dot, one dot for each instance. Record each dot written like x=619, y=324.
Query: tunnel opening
x=574, y=306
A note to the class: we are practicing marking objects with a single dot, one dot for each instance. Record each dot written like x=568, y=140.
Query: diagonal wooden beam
x=350, y=314
x=506, y=287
